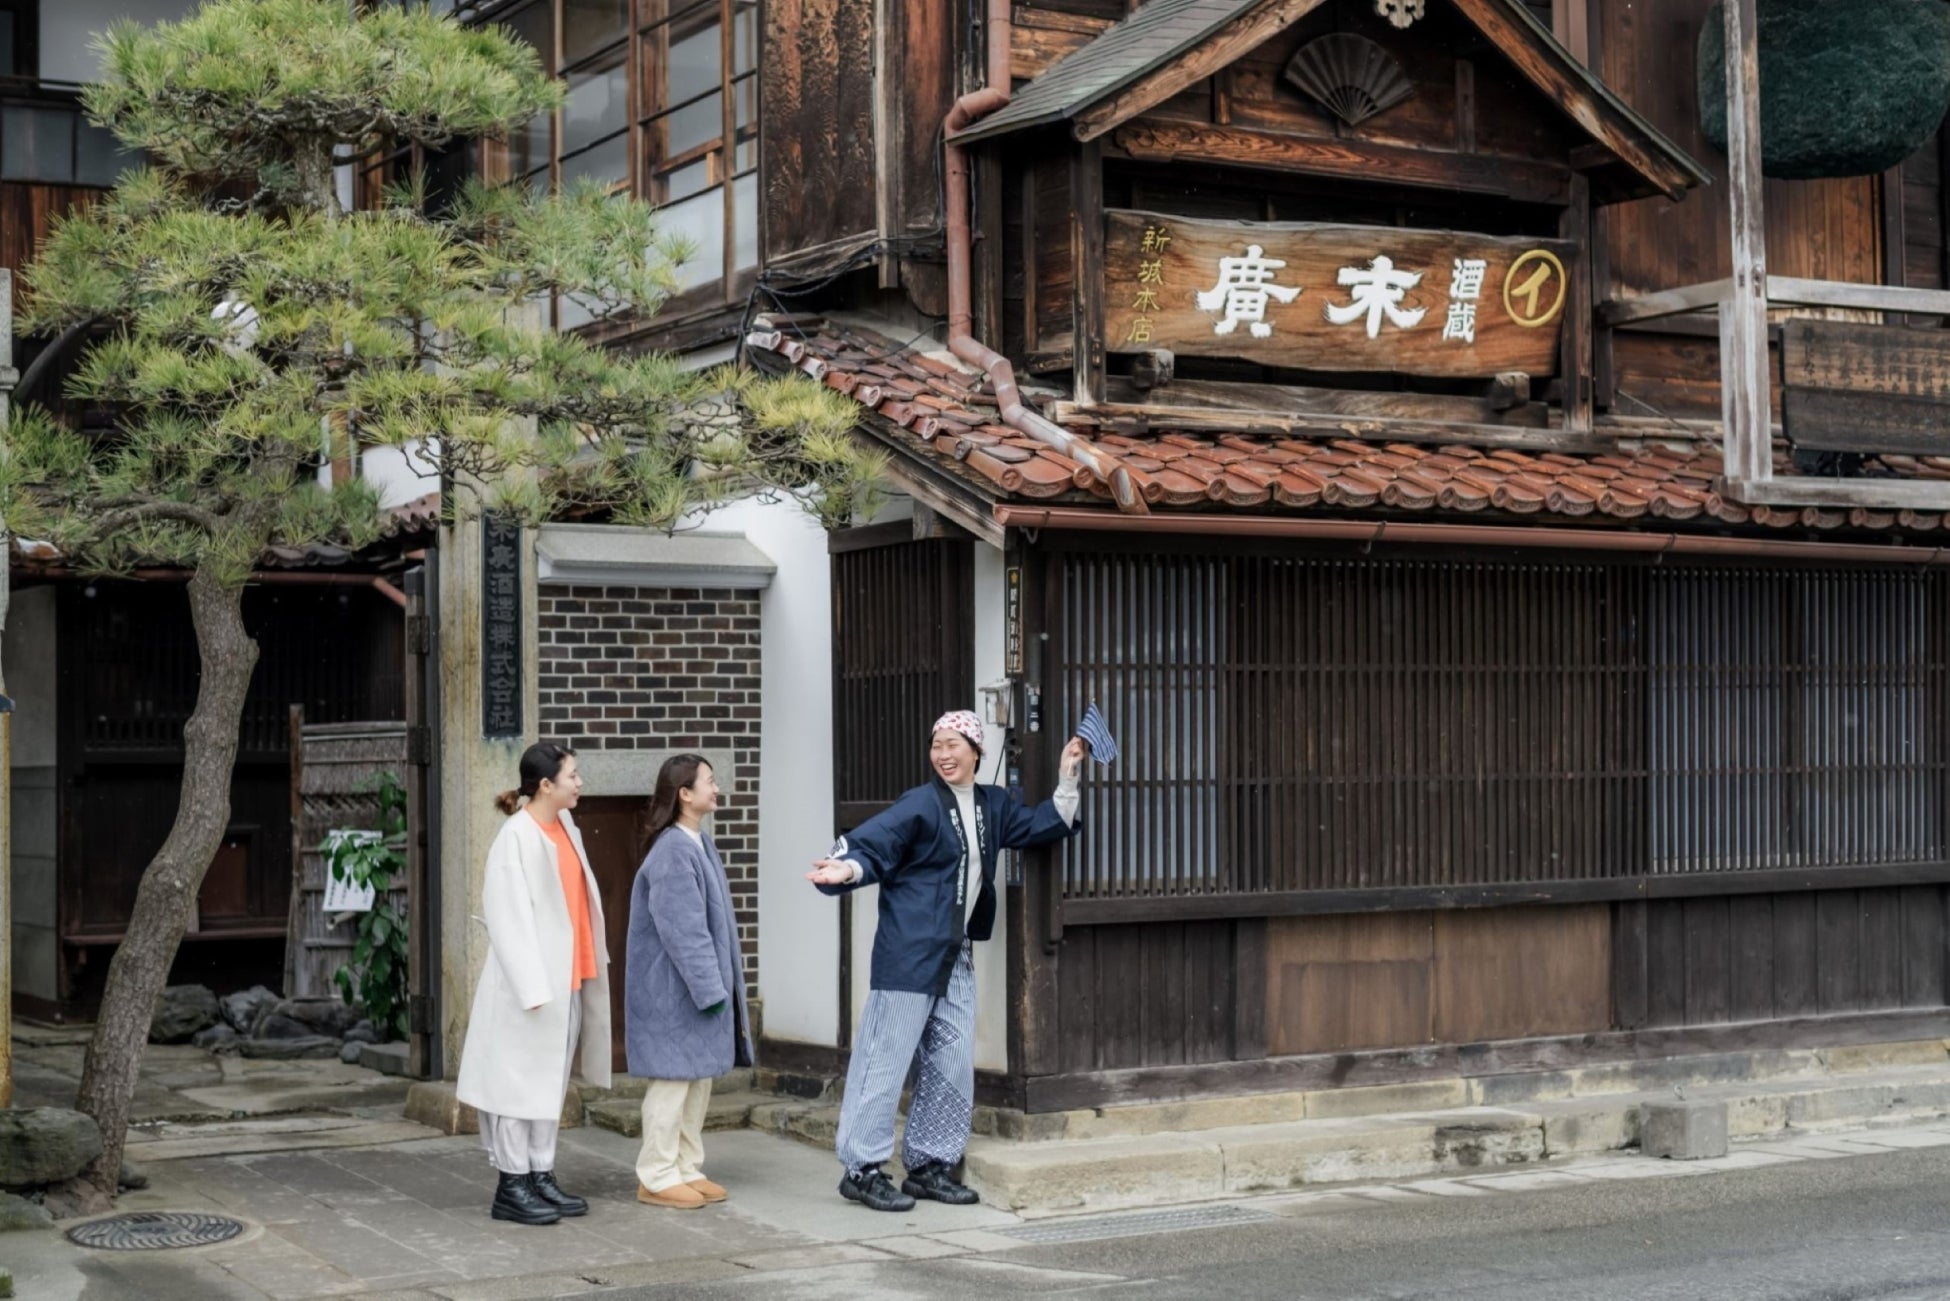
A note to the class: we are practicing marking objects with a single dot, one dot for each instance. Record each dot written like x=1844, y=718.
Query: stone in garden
x=19, y=1213
x=45, y=1145
x=319, y=1016
x=181, y=1011
x=319, y=1046
x=387, y=1059
x=364, y=1033
x=133, y=1176
x=218, y=1038
x=278, y=1026
x=349, y=1051
x=242, y=1008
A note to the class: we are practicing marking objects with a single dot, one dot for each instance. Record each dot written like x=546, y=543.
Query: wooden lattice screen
x=1305, y=724
x=333, y=767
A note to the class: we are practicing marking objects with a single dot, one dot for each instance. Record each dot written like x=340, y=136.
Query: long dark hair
x=677, y=774
x=539, y=763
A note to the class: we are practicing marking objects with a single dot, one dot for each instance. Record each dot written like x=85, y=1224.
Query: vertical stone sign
x=500, y=628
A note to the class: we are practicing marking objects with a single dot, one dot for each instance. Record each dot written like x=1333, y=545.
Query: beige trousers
x=673, y=1133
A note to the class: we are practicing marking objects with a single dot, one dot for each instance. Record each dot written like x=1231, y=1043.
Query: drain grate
x=154, y=1231
x=1141, y=1225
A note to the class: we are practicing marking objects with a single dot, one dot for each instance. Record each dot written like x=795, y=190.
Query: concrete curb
x=1118, y=1158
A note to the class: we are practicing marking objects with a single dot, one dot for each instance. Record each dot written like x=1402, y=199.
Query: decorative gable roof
x=1128, y=69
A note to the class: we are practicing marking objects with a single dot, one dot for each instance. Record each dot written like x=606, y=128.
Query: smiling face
x=701, y=796
x=565, y=790
x=953, y=757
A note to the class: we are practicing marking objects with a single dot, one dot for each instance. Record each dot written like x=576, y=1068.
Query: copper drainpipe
x=962, y=342
x=1485, y=535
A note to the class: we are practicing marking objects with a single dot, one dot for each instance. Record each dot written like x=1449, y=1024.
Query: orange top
x=575, y=892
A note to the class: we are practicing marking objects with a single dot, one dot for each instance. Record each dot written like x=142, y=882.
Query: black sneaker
x=517, y=1201
x=551, y=1192
x=874, y=1190
x=933, y=1182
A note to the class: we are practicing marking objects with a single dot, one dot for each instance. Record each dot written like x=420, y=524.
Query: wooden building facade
x=1359, y=443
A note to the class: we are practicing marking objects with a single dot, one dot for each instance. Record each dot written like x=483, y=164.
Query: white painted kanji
x=1466, y=279
x=1461, y=323
x=1244, y=288
x=1377, y=291
x=1399, y=12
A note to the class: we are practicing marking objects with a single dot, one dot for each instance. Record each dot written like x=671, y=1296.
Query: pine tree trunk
x=169, y=885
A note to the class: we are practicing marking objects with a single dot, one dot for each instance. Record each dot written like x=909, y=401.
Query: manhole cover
x=154, y=1230
x=1133, y=1226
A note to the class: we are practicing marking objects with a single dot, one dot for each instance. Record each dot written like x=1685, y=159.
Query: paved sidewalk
x=408, y=1221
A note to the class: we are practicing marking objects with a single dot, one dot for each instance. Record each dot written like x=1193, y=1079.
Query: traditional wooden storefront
x=1355, y=438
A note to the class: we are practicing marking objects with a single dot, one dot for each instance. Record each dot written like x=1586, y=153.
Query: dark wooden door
x=612, y=833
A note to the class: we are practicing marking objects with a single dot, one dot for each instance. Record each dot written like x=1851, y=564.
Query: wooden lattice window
x=1301, y=724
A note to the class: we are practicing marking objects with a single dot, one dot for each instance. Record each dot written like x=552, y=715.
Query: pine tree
x=243, y=325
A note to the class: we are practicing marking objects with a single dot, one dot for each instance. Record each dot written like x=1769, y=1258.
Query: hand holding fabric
x=1073, y=755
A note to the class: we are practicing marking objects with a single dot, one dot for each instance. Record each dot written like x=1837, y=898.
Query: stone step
x=624, y=1115
x=1111, y=1172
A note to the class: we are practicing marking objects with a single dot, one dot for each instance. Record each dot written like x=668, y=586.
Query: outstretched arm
x=1020, y=827
x=870, y=853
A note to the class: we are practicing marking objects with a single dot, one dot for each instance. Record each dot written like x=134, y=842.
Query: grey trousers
x=519, y=1147
x=936, y=1036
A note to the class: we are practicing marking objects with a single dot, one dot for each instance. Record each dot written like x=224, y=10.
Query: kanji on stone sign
x=1244, y=288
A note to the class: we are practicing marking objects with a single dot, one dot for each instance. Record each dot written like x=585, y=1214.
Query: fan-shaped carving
x=1350, y=76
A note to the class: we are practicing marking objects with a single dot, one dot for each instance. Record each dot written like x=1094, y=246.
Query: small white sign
x=343, y=896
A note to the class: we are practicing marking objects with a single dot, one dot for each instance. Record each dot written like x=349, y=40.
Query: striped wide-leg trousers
x=934, y=1036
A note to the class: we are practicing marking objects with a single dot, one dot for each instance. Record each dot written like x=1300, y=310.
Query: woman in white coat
x=544, y=987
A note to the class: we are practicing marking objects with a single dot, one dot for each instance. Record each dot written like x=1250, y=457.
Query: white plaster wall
x=799, y=938
x=68, y=31
x=398, y=474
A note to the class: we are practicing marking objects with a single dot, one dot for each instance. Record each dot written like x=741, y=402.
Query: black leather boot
x=517, y=1201
x=873, y=1189
x=551, y=1192
x=934, y=1182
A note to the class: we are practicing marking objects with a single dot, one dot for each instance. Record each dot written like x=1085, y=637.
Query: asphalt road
x=1855, y=1227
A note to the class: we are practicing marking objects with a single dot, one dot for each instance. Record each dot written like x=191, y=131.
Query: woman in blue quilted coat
x=684, y=996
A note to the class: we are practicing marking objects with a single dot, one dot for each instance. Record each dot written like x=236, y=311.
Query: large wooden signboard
x=1335, y=298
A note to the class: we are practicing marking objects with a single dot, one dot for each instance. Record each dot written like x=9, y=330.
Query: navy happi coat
x=914, y=852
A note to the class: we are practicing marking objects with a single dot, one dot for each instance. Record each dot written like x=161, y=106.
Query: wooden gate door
x=613, y=829
x=903, y=654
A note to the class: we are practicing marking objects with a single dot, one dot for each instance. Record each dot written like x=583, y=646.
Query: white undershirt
x=697, y=837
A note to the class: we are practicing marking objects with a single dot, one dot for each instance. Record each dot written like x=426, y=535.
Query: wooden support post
x=1575, y=348
x=1087, y=256
x=1743, y=316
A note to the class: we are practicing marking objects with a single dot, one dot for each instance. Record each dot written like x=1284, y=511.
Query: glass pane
x=598, y=105
x=747, y=155
x=688, y=128
x=7, y=55
x=528, y=145
x=608, y=162
x=99, y=156
x=534, y=26
x=744, y=34
x=590, y=25
x=693, y=178
x=701, y=221
x=693, y=67
x=37, y=144
x=744, y=222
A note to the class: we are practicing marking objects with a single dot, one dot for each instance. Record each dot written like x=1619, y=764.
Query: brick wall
x=642, y=668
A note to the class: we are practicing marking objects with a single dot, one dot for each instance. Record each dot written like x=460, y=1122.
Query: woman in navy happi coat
x=933, y=855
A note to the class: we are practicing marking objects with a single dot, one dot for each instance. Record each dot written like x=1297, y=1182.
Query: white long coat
x=518, y=1034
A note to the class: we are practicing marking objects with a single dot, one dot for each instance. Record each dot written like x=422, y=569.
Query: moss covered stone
x=1845, y=89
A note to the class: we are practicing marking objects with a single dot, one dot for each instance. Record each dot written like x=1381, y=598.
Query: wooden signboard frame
x=1335, y=298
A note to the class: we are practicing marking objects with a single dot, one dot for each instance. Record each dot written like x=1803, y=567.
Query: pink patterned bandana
x=963, y=721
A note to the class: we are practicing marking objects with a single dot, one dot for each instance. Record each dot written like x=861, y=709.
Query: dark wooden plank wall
x=1149, y=995
x=1824, y=230
x=27, y=214
x=1773, y=957
x=817, y=150
x=1925, y=262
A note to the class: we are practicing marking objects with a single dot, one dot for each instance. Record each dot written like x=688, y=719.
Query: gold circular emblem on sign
x=1524, y=285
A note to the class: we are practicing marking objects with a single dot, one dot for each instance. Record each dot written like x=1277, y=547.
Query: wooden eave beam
x=951, y=501
x=1230, y=43
x=1137, y=420
x=1928, y=496
x=1154, y=141
x=1548, y=68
